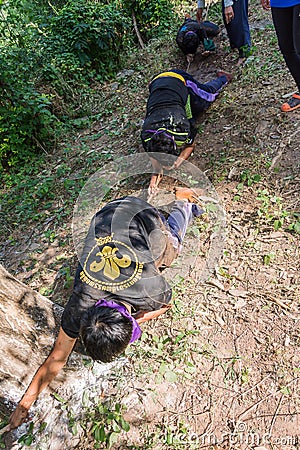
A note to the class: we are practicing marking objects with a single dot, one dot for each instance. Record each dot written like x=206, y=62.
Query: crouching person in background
x=191, y=34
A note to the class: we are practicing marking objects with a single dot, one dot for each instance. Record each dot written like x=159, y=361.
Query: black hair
x=190, y=43
x=160, y=143
x=105, y=333
x=161, y=146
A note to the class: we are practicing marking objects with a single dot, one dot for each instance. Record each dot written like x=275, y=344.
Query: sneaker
x=292, y=104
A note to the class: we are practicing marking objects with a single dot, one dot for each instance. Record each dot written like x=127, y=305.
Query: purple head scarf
x=190, y=32
x=136, y=331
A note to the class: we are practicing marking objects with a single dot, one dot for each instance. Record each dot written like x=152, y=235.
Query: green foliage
x=108, y=422
x=85, y=38
x=51, y=52
x=28, y=437
x=272, y=212
x=154, y=17
x=103, y=420
x=25, y=118
x=248, y=178
x=3, y=423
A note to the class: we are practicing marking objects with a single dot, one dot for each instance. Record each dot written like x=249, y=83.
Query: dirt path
x=221, y=370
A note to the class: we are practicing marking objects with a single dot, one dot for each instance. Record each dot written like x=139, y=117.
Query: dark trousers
x=201, y=94
x=238, y=29
x=287, y=26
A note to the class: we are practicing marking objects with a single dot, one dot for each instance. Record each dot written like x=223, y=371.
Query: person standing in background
x=286, y=19
x=235, y=17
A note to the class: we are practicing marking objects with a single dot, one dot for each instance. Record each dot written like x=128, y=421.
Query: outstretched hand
x=229, y=14
x=18, y=417
x=154, y=182
x=199, y=14
x=265, y=4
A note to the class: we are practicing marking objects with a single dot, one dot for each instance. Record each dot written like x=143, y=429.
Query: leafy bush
x=154, y=17
x=85, y=34
x=52, y=52
x=25, y=120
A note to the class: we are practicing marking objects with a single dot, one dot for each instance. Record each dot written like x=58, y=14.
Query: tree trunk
x=29, y=324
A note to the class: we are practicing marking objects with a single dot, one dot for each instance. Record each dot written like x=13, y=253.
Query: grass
x=187, y=346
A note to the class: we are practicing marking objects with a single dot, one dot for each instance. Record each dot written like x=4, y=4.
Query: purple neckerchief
x=136, y=331
x=164, y=132
x=189, y=32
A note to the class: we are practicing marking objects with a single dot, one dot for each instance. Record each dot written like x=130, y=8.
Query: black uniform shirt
x=117, y=263
x=166, y=109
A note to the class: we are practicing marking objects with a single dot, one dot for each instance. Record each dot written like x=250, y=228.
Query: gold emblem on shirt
x=109, y=262
x=105, y=264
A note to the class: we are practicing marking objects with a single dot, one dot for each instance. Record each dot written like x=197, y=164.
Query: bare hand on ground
x=18, y=417
x=182, y=193
x=265, y=4
x=154, y=182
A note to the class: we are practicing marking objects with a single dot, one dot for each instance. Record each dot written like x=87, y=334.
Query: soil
x=236, y=382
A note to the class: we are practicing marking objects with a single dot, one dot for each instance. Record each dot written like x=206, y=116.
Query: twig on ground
x=216, y=284
x=275, y=415
x=275, y=159
x=292, y=135
x=278, y=302
x=5, y=429
x=39, y=145
x=137, y=30
x=272, y=394
x=253, y=387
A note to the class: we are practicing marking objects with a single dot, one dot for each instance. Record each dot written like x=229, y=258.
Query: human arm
x=201, y=6
x=144, y=316
x=265, y=4
x=155, y=177
x=199, y=14
x=184, y=155
x=43, y=377
x=228, y=13
x=154, y=182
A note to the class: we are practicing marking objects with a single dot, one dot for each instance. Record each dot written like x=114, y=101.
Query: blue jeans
x=180, y=217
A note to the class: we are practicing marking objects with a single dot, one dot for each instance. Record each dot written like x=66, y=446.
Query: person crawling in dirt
x=118, y=284
x=176, y=100
x=192, y=33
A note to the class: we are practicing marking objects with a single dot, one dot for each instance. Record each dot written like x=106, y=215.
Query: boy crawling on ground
x=118, y=284
x=176, y=100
